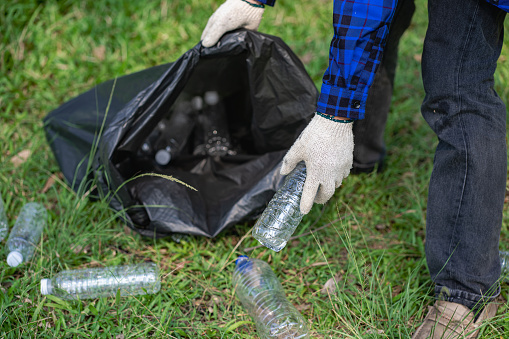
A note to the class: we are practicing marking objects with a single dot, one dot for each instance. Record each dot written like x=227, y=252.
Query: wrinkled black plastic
x=269, y=98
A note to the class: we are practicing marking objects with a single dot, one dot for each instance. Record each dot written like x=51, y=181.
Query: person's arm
x=231, y=15
x=326, y=144
x=360, y=31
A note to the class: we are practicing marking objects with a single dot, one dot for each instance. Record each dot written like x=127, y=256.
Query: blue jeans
x=468, y=182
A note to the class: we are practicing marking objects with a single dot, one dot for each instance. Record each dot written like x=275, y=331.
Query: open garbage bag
x=104, y=137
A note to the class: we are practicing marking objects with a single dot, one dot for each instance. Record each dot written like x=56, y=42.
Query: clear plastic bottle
x=263, y=297
x=199, y=135
x=147, y=148
x=26, y=233
x=282, y=215
x=99, y=282
x=4, y=225
x=175, y=133
x=217, y=136
x=504, y=265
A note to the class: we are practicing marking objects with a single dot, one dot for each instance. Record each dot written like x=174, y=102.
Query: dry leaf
x=21, y=157
x=302, y=307
x=405, y=212
x=48, y=184
x=79, y=249
x=307, y=58
x=51, y=180
x=99, y=52
x=330, y=286
x=374, y=331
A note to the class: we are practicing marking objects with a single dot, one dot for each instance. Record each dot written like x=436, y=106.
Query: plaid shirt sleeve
x=360, y=31
x=502, y=4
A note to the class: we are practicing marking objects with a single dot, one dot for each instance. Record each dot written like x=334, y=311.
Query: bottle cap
x=161, y=125
x=243, y=262
x=45, y=286
x=145, y=147
x=163, y=157
x=240, y=259
x=211, y=98
x=197, y=103
x=14, y=258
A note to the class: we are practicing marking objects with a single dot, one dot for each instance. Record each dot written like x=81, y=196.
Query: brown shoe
x=449, y=320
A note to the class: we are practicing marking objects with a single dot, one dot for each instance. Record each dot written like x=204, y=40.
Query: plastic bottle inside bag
x=148, y=147
x=175, y=133
x=213, y=137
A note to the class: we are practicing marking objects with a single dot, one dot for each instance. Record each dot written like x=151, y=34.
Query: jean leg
x=369, y=149
x=467, y=185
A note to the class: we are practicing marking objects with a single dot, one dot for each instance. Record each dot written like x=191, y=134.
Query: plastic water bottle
x=147, y=147
x=504, y=265
x=90, y=283
x=4, y=225
x=26, y=233
x=282, y=215
x=217, y=135
x=175, y=133
x=263, y=297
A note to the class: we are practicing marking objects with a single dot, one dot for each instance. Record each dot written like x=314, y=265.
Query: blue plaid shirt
x=360, y=30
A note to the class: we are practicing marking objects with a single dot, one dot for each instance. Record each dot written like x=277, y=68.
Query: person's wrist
x=255, y=3
x=342, y=120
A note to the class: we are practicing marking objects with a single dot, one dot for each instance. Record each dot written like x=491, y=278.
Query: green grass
x=52, y=51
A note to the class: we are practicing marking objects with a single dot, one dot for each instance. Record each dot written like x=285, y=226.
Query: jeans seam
x=458, y=95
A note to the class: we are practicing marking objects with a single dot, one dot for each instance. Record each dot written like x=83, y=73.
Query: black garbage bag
x=104, y=136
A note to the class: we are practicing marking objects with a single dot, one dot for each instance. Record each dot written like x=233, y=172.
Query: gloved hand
x=232, y=14
x=327, y=149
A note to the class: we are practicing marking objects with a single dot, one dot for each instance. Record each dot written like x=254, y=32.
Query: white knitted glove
x=327, y=149
x=232, y=14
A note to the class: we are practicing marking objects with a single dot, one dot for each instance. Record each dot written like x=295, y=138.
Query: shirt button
x=356, y=104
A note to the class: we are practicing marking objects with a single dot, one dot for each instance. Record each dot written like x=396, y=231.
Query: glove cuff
x=253, y=13
x=330, y=127
x=330, y=117
x=254, y=5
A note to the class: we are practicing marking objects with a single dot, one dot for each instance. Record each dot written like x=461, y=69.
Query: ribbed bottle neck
x=46, y=287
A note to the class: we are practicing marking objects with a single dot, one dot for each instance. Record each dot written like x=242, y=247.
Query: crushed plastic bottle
x=282, y=215
x=4, y=225
x=89, y=283
x=263, y=297
x=26, y=233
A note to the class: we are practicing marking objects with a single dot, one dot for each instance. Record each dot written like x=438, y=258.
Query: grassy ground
x=52, y=51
